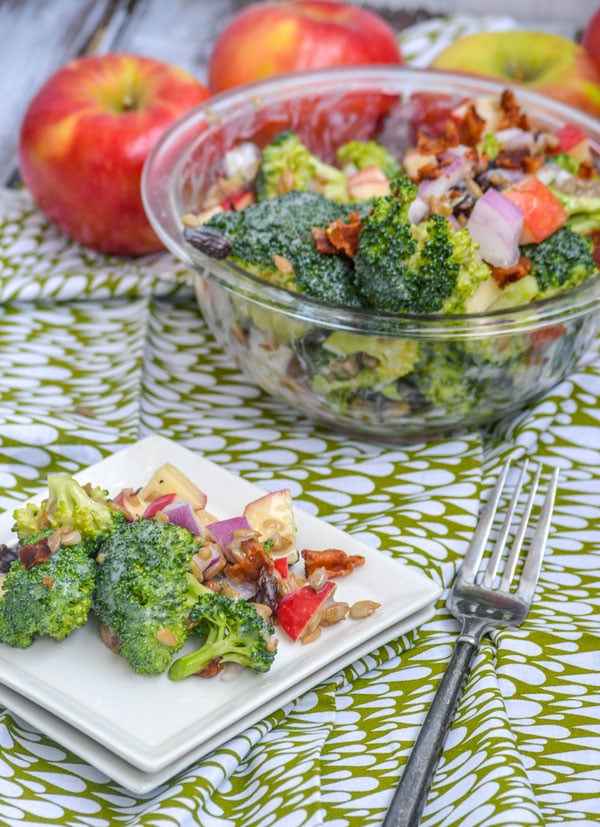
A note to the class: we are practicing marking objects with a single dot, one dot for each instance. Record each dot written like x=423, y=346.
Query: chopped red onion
x=495, y=224
x=222, y=531
x=182, y=514
x=449, y=177
x=514, y=138
x=210, y=565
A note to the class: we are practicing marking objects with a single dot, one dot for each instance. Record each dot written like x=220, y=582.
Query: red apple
x=542, y=61
x=272, y=38
x=85, y=137
x=591, y=38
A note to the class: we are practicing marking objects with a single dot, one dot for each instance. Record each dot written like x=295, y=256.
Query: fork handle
x=411, y=793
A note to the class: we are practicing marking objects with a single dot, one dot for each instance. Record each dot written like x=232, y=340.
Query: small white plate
x=139, y=782
x=155, y=724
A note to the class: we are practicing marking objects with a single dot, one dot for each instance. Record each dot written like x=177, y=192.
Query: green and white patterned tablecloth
x=97, y=353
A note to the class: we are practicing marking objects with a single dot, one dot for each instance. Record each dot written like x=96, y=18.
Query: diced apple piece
x=168, y=480
x=542, y=212
x=368, y=183
x=413, y=160
x=272, y=517
x=297, y=610
x=573, y=140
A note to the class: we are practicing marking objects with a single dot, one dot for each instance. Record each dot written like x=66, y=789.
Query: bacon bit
x=586, y=170
x=531, y=165
x=255, y=561
x=506, y=275
x=470, y=129
x=512, y=113
x=339, y=236
x=322, y=241
x=211, y=669
x=34, y=553
x=511, y=158
x=428, y=145
x=48, y=581
x=336, y=562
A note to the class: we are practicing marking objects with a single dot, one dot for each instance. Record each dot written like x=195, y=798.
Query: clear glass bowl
x=472, y=369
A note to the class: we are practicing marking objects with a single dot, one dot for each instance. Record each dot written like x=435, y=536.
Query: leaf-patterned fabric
x=96, y=353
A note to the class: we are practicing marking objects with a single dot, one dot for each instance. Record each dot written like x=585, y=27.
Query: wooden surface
x=39, y=36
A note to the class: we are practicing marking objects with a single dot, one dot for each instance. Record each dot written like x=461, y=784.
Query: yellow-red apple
x=545, y=62
x=591, y=38
x=272, y=38
x=85, y=137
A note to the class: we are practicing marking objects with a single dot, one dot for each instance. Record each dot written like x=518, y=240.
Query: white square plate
x=158, y=726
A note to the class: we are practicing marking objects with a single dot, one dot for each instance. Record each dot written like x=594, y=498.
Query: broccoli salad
x=158, y=569
x=483, y=210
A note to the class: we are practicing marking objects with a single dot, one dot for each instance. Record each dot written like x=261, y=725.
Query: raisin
x=208, y=241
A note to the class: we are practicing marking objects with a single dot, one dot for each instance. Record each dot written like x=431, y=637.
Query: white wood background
x=38, y=36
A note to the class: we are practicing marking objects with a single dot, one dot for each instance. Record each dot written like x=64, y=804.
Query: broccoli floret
x=68, y=504
x=231, y=631
x=144, y=590
x=583, y=211
x=406, y=268
x=287, y=164
x=364, y=154
x=52, y=597
x=561, y=261
x=268, y=234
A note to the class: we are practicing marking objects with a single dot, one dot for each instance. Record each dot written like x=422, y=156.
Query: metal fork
x=482, y=601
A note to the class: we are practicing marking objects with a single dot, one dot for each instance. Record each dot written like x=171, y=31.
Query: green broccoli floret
x=563, y=260
x=144, y=590
x=52, y=597
x=583, y=211
x=364, y=154
x=281, y=227
x=68, y=504
x=406, y=268
x=287, y=164
x=231, y=631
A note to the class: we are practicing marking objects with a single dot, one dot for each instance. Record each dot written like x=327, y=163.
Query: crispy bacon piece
x=435, y=145
x=470, y=129
x=34, y=553
x=339, y=236
x=506, y=275
x=586, y=170
x=255, y=562
x=512, y=112
x=336, y=562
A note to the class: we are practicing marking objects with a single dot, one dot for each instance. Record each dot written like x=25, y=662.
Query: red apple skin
x=591, y=38
x=85, y=137
x=271, y=38
x=564, y=70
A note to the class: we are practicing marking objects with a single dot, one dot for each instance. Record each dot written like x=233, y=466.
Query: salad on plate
x=159, y=570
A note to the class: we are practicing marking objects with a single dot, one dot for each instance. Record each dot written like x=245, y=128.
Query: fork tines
x=518, y=513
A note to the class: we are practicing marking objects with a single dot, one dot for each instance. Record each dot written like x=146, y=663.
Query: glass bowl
x=472, y=369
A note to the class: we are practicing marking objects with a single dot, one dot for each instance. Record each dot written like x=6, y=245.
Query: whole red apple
x=85, y=137
x=272, y=38
x=591, y=38
x=542, y=61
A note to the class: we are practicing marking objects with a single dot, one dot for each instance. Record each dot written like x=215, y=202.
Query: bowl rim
x=159, y=203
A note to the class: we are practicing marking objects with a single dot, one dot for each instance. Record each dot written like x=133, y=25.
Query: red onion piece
x=182, y=513
x=210, y=565
x=449, y=177
x=222, y=531
x=495, y=224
